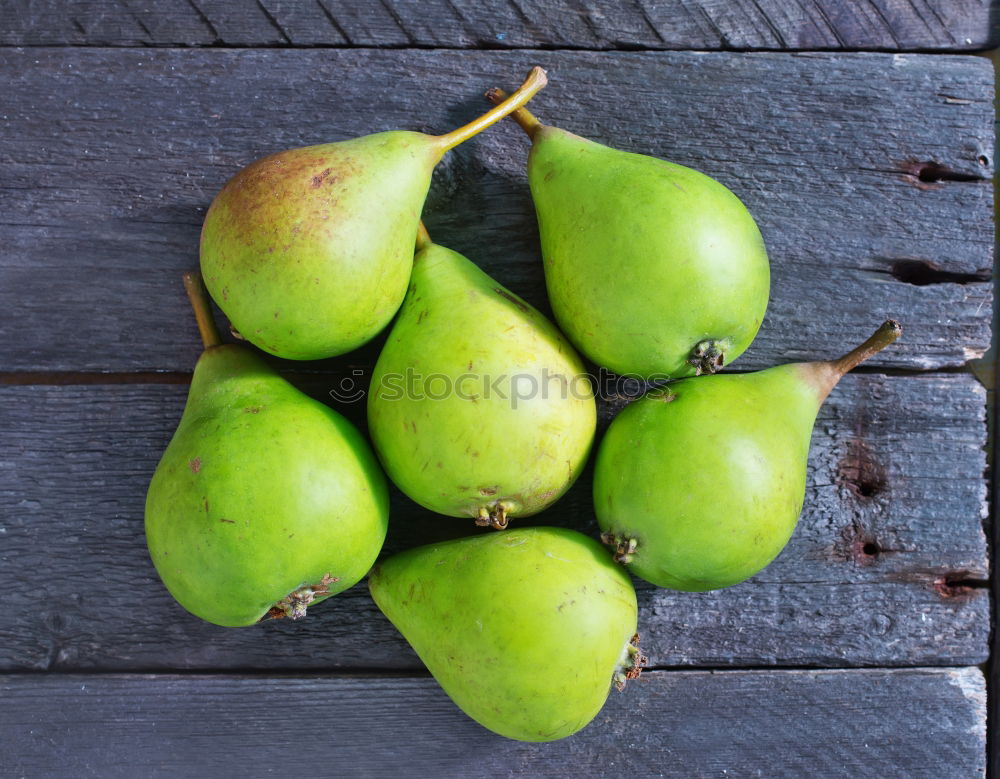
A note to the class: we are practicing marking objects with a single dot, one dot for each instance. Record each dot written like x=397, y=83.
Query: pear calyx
x=622, y=548
x=295, y=603
x=631, y=664
x=708, y=356
x=494, y=516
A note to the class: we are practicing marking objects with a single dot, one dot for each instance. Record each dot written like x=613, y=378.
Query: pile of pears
x=267, y=502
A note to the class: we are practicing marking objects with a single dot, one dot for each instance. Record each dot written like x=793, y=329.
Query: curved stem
x=528, y=121
x=423, y=237
x=825, y=375
x=202, y=306
x=881, y=338
x=535, y=81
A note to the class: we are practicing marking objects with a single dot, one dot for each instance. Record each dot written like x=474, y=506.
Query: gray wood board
x=886, y=567
x=621, y=24
x=109, y=158
x=885, y=723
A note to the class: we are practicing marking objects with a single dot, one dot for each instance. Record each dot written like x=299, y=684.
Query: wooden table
x=860, y=651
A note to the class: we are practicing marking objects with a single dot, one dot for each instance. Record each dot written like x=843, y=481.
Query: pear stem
x=528, y=121
x=825, y=375
x=423, y=237
x=535, y=81
x=202, y=305
x=881, y=338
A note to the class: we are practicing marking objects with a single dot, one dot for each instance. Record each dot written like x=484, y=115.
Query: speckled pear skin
x=653, y=269
x=699, y=484
x=707, y=475
x=524, y=629
x=308, y=251
x=261, y=491
x=488, y=444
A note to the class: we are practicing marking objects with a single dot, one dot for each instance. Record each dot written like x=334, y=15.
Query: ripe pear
x=478, y=405
x=526, y=630
x=653, y=269
x=699, y=484
x=265, y=500
x=308, y=251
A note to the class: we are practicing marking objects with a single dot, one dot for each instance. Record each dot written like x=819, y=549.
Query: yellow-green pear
x=526, y=630
x=308, y=251
x=699, y=484
x=265, y=500
x=479, y=407
x=653, y=269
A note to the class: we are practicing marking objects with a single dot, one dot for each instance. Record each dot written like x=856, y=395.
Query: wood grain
x=894, y=25
x=903, y=723
x=886, y=567
x=110, y=158
x=871, y=178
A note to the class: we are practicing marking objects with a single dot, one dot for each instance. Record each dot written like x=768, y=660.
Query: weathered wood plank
x=896, y=723
x=109, y=158
x=885, y=568
x=993, y=668
x=894, y=25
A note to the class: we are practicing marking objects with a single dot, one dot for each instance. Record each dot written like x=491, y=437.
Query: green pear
x=653, y=269
x=479, y=407
x=308, y=251
x=265, y=500
x=526, y=630
x=699, y=484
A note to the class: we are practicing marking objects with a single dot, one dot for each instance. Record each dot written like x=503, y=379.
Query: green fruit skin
x=643, y=258
x=308, y=252
x=710, y=483
x=261, y=490
x=473, y=448
x=524, y=629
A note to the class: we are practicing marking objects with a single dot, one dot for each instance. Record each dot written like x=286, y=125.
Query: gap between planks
x=97, y=378
x=405, y=47
x=411, y=673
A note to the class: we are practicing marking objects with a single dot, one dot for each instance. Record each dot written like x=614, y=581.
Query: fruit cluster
x=267, y=501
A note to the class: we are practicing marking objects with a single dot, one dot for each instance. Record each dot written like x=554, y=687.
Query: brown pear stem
x=535, y=81
x=423, y=237
x=829, y=373
x=528, y=121
x=202, y=305
x=881, y=338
